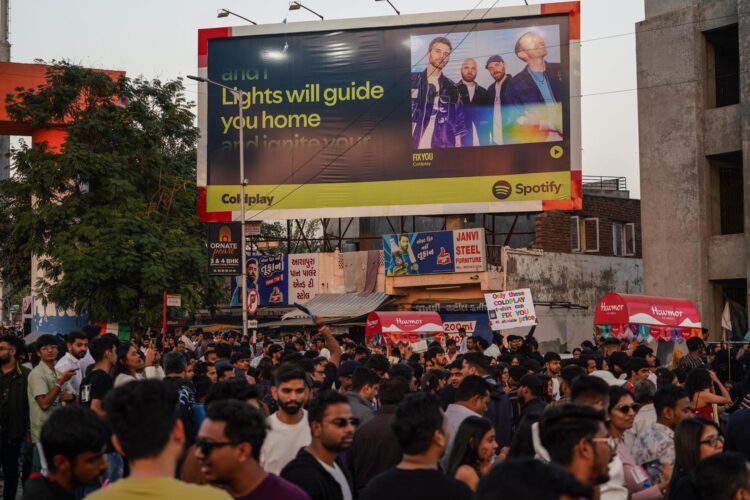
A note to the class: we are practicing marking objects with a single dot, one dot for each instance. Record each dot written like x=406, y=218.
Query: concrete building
x=694, y=126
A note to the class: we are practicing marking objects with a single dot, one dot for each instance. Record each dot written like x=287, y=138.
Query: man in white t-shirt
x=77, y=344
x=317, y=469
x=288, y=427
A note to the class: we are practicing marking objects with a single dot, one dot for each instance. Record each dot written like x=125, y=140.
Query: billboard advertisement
x=224, y=251
x=458, y=251
x=280, y=279
x=427, y=114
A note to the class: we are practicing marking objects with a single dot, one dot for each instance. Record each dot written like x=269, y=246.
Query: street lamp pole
x=243, y=278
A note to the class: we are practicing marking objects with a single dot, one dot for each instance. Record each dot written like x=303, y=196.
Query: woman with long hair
x=694, y=439
x=622, y=410
x=503, y=372
x=129, y=364
x=699, y=386
x=473, y=451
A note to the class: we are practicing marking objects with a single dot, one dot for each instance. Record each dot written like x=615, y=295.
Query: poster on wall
x=462, y=250
x=304, y=277
x=510, y=309
x=267, y=274
x=224, y=251
x=441, y=113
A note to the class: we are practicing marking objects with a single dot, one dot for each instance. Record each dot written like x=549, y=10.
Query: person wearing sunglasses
x=694, y=439
x=622, y=411
x=317, y=469
x=228, y=449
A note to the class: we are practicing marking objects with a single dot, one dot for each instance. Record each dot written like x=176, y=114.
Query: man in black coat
x=477, y=108
x=317, y=469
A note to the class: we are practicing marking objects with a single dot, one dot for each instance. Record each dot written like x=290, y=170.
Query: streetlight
x=294, y=5
x=237, y=95
x=393, y=6
x=227, y=13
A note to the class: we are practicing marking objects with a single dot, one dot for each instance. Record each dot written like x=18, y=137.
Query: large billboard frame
x=571, y=9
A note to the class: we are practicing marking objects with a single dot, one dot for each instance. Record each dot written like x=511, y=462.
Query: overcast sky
x=158, y=39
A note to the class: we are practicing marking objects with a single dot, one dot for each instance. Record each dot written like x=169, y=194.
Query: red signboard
x=622, y=309
x=409, y=327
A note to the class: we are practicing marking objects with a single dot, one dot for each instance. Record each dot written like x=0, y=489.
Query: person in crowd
x=637, y=369
x=47, y=390
x=503, y=376
x=289, y=429
x=151, y=450
x=77, y=345
x=472, y=400
x=375, y=448
x=622, y=410
x=568, y=375
x=448, y=392
x=665, y=376
x=14, y=411
x=365, y=383
x=473, y=452
x=74, y=441
x=591, y=391
x=657, y=443
x=723, y=476
x=577, y=439
x=699, y=386
x=590, y=362
x=552, y=369
x=738, y=432
x=530, y=393
x=228, y=449
x=316, y=469
x=95, y=386
x=499, y=410
x=131, y=366
x=696, y=353
x=493, y=351
x=618, y=363
x=345, y=375
x=530, y=478
x=420, y=429
x=175, y=366
x=695, y=439
x=451, y=351
x=643, y=394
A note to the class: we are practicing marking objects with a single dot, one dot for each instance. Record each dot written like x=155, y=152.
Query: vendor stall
x=645, y=318
x=396, y=327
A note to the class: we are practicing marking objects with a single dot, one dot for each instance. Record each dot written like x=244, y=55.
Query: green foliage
x=112, y=217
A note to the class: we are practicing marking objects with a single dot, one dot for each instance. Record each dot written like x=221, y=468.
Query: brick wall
x=553, y=229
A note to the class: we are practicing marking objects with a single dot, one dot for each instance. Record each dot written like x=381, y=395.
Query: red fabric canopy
x=404, y=326
x=621, y=309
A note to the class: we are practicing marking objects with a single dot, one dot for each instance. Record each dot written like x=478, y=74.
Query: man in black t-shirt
x=98, y=382
x=420, y=428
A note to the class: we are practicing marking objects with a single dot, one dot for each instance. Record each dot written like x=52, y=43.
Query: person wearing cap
x=476, y=101
x=346, y=371
x=530, y=389
x=437, y=115
x=536, y=92
x=496, y=94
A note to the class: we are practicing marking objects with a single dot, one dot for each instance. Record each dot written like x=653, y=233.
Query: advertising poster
x=469, y=250
x=458, y=251
x=510, y=309
x=440, y=113
x=224, y=251
x=304, y=277
x=267, y=274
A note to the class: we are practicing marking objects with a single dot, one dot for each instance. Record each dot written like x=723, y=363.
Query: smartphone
x=654, y=469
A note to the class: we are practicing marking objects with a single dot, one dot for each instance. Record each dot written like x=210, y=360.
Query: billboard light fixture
x=294, y=5
x=226, y=13
x=392, y=6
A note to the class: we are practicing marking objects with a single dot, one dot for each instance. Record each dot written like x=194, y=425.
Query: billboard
x=458, y=251
x=280, y=279
x=510, y=309
x=224, y=251
x=427, y=114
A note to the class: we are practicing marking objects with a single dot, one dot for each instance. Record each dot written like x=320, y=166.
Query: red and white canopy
x=621, y=309
x=404, y=326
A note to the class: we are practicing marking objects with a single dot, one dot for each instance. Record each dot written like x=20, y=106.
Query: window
x=629, y=239
x=617, y=238
x=575, y=234
x=727, y=193
x=591, y=234
x=723, y=60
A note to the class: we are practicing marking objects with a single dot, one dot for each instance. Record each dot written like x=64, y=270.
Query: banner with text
x=458, y=251
x=280, y=279
x=510, y=309
x=224, y=251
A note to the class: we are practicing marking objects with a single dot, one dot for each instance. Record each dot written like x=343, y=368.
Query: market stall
x=646, y=318
x=396, y=327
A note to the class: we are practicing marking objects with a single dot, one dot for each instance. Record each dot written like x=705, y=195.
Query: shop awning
x=332, y=307
x=404, y=326
x=658, y=317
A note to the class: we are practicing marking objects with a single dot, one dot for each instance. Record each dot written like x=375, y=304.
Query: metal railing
x=604, y=183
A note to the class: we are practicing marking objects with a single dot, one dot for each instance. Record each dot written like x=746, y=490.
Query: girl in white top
x=131, y=366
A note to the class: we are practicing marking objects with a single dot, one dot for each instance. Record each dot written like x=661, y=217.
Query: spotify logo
x=502, y=190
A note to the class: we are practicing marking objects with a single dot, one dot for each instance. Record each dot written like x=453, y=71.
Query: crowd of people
x=311, y=416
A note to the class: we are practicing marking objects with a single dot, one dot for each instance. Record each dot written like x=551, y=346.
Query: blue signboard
x=268, y=274
x=418, y=253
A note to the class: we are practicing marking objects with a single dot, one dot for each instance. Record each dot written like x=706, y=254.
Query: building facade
x=694, y=133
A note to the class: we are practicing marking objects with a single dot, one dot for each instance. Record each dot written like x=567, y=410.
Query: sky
x=158, y=39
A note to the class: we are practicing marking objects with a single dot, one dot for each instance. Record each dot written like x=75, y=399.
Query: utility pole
x=4, y=139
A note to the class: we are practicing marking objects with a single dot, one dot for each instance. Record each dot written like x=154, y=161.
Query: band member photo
x=475, y=100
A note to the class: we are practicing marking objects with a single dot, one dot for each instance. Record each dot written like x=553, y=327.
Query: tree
x=112, y=216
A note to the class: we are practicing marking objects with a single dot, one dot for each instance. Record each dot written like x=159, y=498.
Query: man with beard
x=77, y=344
x=14, y=411
x=96, y=385
x=552, y=366
x=251, y=275
x=475, y=100
x=437, y=115
x=228, y=449
x=496, y=95
x=576, y=438
x=288, y=427
x=317, y=469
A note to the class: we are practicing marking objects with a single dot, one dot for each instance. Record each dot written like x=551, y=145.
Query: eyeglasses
x=343, y=422
x=609, y=441
x=627, y=408
x=206, y=447
x=713, y=441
